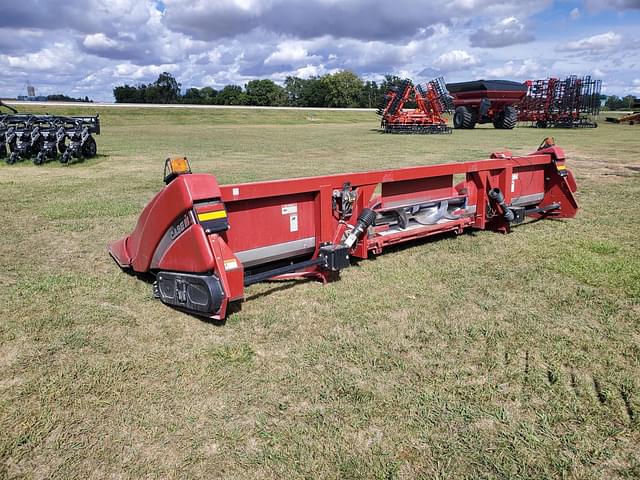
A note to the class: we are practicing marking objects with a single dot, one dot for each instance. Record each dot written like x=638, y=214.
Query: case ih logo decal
x=180, y=227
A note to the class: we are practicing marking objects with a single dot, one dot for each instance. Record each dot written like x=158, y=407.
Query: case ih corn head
x=486, y=101
x=561, y=103
x=205, y=243
x=431, y=99
x=47, y=137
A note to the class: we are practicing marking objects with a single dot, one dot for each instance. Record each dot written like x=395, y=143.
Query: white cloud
x=574, y=14
x=137, y=72
x=604, y=41
x=90, y=46
x=310, y=71
x=505, y=32
x=98, y=41
x=455, y=60
x=288, y=53
x=56, y=59
x=521, y=70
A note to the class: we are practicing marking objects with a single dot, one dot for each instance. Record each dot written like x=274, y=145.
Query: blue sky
x=86, y=47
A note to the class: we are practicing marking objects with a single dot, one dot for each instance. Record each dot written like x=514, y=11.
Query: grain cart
x=431, y=99
x=205, y=243
x=486, y=101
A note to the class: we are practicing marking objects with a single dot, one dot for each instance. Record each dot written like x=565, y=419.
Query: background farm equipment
x=486, y=101
x=431, y=100
x=559, y=103
x=47, y=137
x=205, y=243
x=631, y=118
x=4, y=105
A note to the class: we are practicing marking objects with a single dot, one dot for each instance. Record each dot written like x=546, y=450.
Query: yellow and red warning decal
x=212, y=216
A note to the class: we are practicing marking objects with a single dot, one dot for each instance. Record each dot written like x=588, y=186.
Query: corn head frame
x=205, y=243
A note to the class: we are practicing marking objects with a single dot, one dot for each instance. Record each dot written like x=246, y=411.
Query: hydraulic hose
x=496, y=195
x=365, y=220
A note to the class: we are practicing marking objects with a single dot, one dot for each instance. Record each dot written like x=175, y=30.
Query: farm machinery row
x=43, y=138
x=544, y=103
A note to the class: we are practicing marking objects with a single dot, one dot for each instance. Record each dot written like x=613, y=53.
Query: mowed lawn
x=477, y=356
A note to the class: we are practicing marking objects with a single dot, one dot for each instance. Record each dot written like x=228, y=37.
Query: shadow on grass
x=279, y=286
x=50, y=162
x=283, y=285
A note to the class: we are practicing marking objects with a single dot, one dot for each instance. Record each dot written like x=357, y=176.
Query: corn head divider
x=205, y=243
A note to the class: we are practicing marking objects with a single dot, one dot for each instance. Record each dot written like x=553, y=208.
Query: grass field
x=481, y=356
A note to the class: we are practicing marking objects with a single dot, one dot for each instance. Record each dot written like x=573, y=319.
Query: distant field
x=481, y=356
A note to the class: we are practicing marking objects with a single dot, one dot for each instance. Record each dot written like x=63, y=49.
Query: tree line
x=614, y=102
x=340, y=89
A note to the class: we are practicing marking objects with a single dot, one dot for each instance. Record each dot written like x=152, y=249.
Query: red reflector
x=210, y=207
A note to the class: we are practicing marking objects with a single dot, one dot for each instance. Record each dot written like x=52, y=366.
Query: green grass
x=478, y=356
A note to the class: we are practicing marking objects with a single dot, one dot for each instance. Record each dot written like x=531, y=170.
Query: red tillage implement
x=205, y=243
x=561, y=103
x=431, y=99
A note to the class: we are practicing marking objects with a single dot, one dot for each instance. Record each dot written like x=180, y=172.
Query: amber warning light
x=174, y=167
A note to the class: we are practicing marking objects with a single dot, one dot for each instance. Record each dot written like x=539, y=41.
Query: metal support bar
x=294, y=267
x=548, y=208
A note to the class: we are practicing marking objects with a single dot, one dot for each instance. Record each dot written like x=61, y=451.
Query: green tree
x=193, y=96
x=628, y=102
x=208, y=95
x=130, y=94
x=265, y=92
x=613, y=103
x=165, y=89
x=342, y=89
x=370, y=95
x=231, y=95
x=294, y=90
x=390, y=81
x=315, y=92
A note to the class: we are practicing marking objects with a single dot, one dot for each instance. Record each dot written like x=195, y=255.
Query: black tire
x=13, y=158
x=62, y=146
x=463, y=118
x=39, y=159
x=36, y=147
x=506, y=119
x=65, y=157
x=89, y=149
x=510, y=118
x=3, y=150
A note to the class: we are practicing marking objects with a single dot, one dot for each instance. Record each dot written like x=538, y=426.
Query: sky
x=86, y=47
